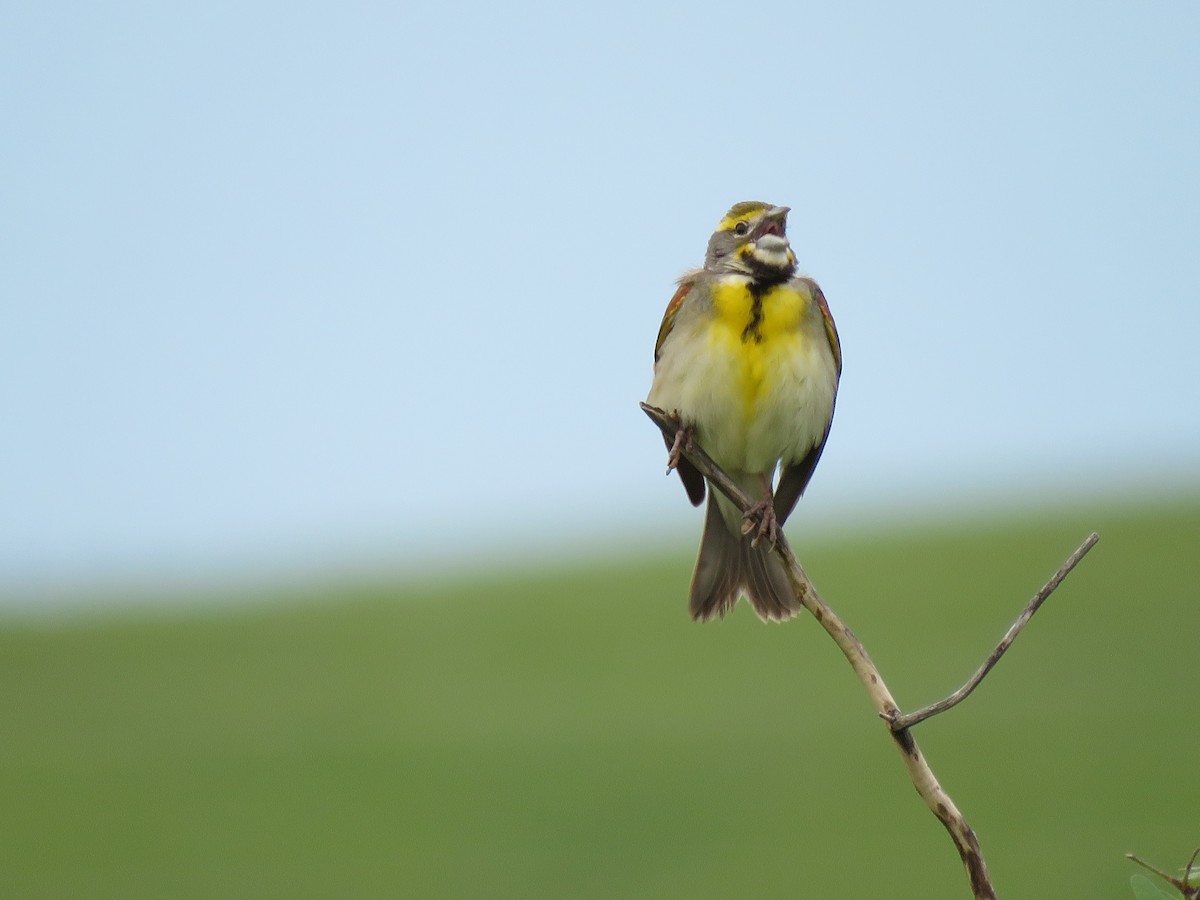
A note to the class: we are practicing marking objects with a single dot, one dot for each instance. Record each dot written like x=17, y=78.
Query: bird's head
x=752, y=240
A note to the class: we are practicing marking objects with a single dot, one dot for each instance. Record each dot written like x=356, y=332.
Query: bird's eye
x=741, y=228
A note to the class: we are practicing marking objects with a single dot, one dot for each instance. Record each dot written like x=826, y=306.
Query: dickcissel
x=748, y=360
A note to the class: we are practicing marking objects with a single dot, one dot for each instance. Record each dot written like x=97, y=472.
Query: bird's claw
x=682, y=442
x=760, y=521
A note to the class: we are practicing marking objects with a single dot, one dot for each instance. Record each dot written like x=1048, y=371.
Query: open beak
x=774, y=221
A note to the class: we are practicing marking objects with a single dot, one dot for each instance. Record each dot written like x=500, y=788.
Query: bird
x=747, y=361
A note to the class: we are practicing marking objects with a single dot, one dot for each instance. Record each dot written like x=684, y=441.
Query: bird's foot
x=683, y=441
x=760, y=521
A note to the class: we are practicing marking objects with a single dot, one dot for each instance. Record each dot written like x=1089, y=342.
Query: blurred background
x=336, y=557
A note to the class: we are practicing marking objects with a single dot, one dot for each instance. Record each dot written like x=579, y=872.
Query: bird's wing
x=795, y=476
x=835, y=343
x=794, y=480
x=668, y=322
x=693, y=481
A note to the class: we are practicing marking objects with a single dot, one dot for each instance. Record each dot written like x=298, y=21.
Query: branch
x=1183, y=885
x=907, y=720
x=922, y=776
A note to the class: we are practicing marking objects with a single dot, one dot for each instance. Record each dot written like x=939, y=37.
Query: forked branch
x=1184, y=885
x=907, y=720
x=922, y=776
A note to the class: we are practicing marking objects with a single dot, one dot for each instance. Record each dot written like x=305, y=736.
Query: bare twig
x=908, y=720
x=1188, y=890
x=922, y=776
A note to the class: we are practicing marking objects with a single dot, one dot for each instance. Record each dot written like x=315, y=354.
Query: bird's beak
x=774, y=221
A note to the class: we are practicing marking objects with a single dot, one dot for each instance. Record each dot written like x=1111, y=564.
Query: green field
x=571, y=733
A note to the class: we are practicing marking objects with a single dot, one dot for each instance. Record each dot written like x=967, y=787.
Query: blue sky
x=286, y=283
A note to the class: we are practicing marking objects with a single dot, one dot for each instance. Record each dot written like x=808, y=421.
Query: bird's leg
x=683, y=441
x=760, y=518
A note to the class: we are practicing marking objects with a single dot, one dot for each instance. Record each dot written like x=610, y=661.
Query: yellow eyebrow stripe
x=730, y=222
x=741, y=212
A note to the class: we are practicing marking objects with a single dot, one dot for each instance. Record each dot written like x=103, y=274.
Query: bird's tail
x=728, y=567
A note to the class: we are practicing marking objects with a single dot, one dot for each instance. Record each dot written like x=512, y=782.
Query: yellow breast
x=760, y=332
